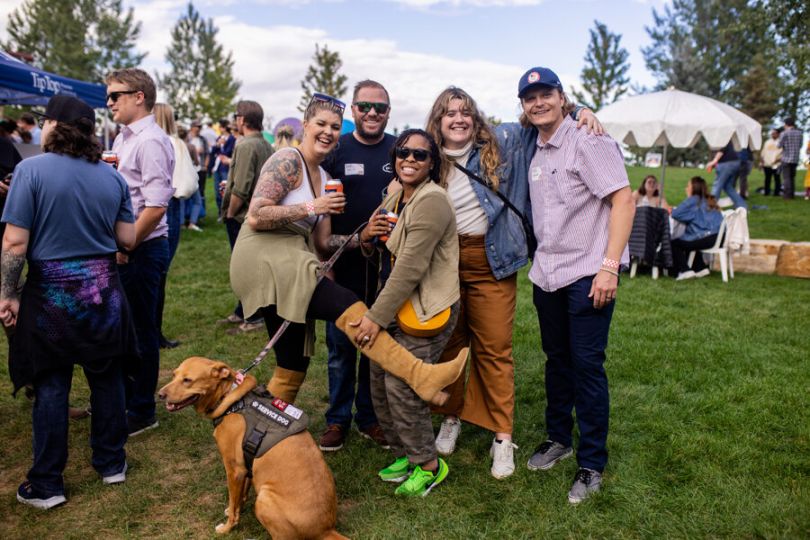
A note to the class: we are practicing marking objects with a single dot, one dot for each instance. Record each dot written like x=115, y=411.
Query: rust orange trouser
x=485, y=325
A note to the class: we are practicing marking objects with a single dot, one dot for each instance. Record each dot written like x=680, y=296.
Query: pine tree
x=604, y=77
x=82, y=39
x=323, y=76
x=756, y=89
x=200, y=81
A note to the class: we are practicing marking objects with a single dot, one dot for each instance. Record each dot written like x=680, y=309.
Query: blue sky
x=414, y=47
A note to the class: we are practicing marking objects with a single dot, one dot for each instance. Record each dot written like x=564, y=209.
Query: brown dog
x=295, y=491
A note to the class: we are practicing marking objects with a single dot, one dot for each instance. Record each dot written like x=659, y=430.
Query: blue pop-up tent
x=21, y=84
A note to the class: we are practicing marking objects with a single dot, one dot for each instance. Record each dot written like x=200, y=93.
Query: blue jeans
x=343, y=374
x=174, y=218
x=108, y=425
x=724, y=181
x=141, y=281
x=219, y=176
x=191, y=208
x=575, y=336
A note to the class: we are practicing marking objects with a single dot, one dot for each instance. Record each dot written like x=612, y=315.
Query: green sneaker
x=396, y=472
x=421, y=482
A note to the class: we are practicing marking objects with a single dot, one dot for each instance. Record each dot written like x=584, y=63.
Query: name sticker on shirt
x=352, y=169
x=535, y=174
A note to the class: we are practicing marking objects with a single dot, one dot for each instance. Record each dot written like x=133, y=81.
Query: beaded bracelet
x=310, y=206
x=610, y=263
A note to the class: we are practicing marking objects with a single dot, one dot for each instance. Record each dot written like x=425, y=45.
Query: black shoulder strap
x=531, y=241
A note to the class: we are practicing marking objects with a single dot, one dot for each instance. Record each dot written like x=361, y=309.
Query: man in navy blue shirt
x=361, y=161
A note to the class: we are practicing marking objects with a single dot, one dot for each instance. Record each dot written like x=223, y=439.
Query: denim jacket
x=505, y=241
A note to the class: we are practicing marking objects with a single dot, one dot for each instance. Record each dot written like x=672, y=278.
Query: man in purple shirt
x=582, y=211
x=146, y=161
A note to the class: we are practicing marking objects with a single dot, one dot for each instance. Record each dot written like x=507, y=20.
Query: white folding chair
x=720, y=247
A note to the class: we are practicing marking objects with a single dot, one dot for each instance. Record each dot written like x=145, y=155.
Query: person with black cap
x=582, y=211
x=67, y=214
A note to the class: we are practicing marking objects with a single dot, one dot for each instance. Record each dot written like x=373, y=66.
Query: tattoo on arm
x=10, y=271
x=336, y=240
x=279, y=176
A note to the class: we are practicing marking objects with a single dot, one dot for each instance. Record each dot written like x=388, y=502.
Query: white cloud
x=271, y=61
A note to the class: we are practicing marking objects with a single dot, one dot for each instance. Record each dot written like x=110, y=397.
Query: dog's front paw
x=223, y=528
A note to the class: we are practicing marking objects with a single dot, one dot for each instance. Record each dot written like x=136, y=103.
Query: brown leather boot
x=427, y=380
x=285, y=383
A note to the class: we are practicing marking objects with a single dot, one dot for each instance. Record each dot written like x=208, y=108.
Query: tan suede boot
x=427, y=380
x=285, y=383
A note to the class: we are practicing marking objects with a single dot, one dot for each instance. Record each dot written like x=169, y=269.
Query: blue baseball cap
x=538, y=76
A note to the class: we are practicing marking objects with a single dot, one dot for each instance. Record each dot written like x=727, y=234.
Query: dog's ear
x=220, y=371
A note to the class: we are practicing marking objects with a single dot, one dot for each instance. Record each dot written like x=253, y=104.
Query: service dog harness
x=269, y=421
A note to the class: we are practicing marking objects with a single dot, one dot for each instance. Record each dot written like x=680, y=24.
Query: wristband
x=610, y=263
x=609, y=271
x=310, y=206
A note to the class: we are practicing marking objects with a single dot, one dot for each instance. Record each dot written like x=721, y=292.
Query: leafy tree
x=756, y=89
x=705, y=46
x=604, y=77
x=82, y=39
x=323, y=76
x=789, y=20
x=200, y=81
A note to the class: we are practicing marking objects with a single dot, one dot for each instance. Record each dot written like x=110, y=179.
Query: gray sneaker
x=586, y=481
x=547, y=455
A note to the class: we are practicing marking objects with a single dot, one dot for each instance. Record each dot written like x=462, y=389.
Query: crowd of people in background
x=459, y=191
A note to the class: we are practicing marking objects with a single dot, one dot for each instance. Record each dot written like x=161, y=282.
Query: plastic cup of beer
x=108, y=156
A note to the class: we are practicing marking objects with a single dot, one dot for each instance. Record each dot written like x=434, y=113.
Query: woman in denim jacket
x=492, y=248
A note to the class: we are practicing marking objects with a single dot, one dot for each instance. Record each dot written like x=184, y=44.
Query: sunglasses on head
x=403, y=152
x=366, y=106
x=113, y=96
x=323, y=98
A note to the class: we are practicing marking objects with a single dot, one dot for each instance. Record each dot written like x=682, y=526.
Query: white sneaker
x=689, y=274
x=702, y=273
x=448, y=435
x=117, y=478
x=503, y=458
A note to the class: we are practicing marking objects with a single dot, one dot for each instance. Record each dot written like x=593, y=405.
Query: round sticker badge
x=533, y=77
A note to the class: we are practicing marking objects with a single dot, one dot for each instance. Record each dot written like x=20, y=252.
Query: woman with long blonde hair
x=492, y=248
x=164, y=117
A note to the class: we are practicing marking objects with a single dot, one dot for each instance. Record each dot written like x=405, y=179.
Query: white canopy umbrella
x=678, y=119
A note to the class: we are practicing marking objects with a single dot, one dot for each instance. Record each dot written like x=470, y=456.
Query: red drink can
x=333, y=186
x=392, y=218
x=108, y=156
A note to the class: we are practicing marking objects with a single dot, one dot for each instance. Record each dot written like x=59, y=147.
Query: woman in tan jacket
x=419, y=265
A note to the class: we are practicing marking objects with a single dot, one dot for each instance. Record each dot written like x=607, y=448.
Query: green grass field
x=710, y=427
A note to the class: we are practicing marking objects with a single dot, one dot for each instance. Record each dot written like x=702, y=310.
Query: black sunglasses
x=323, y=98
x=403, y=152
x=113, y=96
x=366, y=106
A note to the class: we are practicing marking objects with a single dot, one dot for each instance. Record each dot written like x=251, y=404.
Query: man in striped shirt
x=582, y=210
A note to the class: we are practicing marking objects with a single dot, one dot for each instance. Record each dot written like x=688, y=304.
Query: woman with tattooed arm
x=274, y=265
